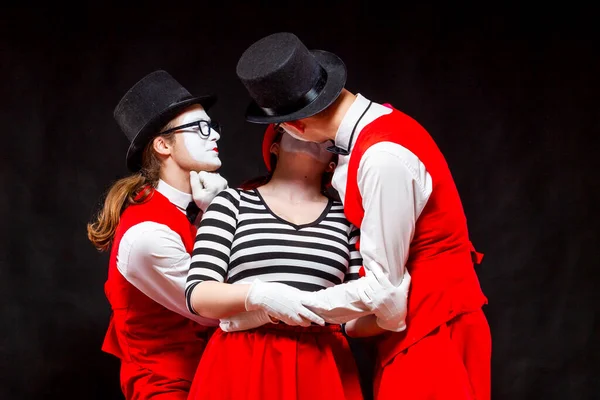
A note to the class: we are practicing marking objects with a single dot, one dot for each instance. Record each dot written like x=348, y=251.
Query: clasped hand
x=205, y=186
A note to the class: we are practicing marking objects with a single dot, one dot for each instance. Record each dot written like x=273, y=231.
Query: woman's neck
x=293, y=187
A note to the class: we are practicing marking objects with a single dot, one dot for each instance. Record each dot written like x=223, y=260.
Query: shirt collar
x=175, y=196
x=357, y=116
x=356, y=110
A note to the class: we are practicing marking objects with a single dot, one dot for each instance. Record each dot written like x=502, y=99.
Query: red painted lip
x=216, y=150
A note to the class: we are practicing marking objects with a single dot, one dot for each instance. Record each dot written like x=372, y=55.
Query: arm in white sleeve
x=152, y=258
x=395, y=187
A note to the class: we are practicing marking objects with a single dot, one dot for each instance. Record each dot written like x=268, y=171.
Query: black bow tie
x=192, y=211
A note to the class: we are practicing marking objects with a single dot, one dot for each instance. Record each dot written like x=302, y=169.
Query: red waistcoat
x=440, y=260
x=141, y=330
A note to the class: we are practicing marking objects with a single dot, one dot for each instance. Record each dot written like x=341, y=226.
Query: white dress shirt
x=394, y=186
x=152, y=257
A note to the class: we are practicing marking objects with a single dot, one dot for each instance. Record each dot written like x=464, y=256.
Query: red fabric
x=141, y=331
x=278, y=362
x=139, y=383
x=476, y=256
x=444, y=282
x=453, y=362
x=361, y=272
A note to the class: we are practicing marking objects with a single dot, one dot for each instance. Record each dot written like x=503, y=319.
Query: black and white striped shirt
x=240, y=239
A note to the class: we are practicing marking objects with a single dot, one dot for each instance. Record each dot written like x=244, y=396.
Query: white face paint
x=292, y=134
x=318, y=151
x=202, y=149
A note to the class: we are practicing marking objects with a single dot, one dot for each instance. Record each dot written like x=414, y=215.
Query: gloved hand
x=371, y=294
x=342, y=303
x=280, y=301
x=388, y=302
x=205, y=186
x=246, y=320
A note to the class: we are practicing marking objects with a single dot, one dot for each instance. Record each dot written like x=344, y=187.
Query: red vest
x=142, y=331
x=440, y=261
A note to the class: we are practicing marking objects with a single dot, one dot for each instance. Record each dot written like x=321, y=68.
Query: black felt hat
x=149, y=105
x=286, y=81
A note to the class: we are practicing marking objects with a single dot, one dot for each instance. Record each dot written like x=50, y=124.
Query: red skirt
x=277, y=362
x=453, y=363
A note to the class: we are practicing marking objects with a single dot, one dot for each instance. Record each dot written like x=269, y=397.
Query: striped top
x=241, y=239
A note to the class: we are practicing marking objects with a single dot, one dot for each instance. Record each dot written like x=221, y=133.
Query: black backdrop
x=510, y=96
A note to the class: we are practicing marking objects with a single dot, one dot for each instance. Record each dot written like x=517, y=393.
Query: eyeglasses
x=204, y=128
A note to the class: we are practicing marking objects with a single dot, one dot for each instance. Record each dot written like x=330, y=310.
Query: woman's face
x=196, y=149
x=305, y=158
x=316, y=151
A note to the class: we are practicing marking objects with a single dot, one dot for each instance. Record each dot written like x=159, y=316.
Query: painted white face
x=317, y=151
x=292, y=134
x=201, y=148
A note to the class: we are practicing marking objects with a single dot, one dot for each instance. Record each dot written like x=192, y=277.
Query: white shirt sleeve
x=152, y=258
x=395, y=187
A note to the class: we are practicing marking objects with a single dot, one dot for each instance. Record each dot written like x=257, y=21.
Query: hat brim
x=150, y=130
x=336, y=79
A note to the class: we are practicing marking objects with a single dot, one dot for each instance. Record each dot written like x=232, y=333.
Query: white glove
x=388, y=302
x=205, y=186
x=342, y=303
x=372, y=294
x=245, y=320
x=281, y=301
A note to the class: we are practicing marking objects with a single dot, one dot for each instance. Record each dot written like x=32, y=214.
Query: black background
x=510, y=95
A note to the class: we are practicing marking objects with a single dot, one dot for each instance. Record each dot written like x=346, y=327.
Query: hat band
x=303, y=100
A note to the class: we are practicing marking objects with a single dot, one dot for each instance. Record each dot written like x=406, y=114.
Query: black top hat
x=149, y=105
x=287, y=81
